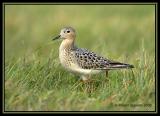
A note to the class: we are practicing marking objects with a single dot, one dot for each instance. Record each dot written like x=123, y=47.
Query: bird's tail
x=118, y=65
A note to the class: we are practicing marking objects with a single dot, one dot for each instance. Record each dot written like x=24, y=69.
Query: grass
x=36, y=81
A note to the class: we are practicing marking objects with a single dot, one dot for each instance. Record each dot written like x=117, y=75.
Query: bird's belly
x=78, y=70
x=74, y=68
x=86, y=71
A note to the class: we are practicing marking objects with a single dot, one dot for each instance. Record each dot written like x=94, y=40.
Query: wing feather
x=90, y=60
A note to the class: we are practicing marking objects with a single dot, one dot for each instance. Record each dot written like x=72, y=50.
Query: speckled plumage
x=83, y=61
x=90, y=60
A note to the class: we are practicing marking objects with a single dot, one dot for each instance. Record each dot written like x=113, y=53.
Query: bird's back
x=90, y=60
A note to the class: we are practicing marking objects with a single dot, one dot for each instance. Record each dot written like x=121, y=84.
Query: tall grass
x=35, y=80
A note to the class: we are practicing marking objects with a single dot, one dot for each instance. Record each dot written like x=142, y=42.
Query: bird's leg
x=107, y=79
x=87, y=83
x=85, y=78
x=107, y=73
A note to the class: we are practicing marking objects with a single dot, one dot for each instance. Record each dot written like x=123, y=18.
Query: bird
x=81, y=61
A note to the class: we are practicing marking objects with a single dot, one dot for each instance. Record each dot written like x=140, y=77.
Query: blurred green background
x=34, y=78
x=110, y=29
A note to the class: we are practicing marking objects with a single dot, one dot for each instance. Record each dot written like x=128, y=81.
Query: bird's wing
x=90, y=60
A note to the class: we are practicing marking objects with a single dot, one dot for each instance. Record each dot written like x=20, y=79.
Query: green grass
x=36, y=81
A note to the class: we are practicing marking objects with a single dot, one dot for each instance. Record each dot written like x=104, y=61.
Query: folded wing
x=90, y=60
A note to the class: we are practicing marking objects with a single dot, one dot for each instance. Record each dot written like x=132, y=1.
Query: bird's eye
x=68, y=31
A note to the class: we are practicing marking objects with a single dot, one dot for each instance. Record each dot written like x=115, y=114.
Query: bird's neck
x=67, y=44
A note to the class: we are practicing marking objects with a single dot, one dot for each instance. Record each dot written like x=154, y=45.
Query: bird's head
x=66, y=33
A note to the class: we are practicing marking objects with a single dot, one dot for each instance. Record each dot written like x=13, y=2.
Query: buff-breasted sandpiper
x=83, y=61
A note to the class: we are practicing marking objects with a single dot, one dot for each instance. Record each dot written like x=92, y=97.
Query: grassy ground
x=35, y=80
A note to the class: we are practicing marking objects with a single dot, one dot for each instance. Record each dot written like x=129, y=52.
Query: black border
x=58, y=3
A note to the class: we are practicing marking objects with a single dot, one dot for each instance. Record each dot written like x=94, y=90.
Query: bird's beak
x=57, y=37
